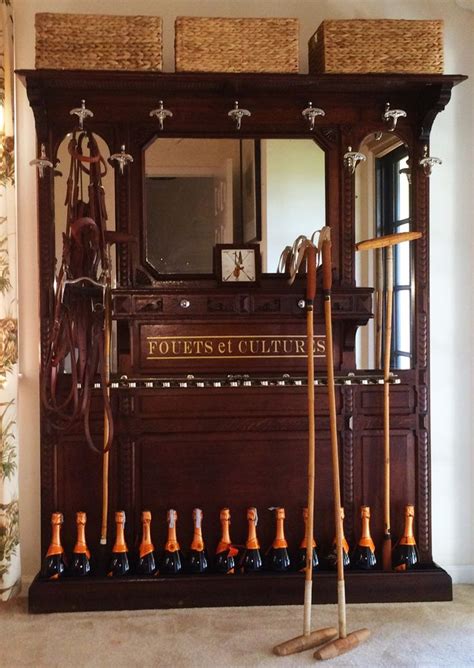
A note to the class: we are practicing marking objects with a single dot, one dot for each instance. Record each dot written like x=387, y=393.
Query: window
x=393, y=216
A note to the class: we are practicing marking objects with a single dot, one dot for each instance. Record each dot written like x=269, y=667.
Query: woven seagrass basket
x=98, y=42
x=236, y=45
x=379, y=45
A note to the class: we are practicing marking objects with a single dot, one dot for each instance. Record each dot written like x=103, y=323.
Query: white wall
x=451, y=248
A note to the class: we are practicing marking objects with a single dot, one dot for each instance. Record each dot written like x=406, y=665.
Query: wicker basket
x=98, y=42
x=236, y=45
x=381, y=45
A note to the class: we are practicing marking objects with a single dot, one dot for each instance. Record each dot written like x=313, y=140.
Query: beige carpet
x=415, y=634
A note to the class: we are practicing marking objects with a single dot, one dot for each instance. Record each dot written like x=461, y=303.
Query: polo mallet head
x=342, y=645
x=387, y=241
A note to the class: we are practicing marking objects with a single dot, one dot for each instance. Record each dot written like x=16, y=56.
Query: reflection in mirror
x=383, y=207
x=200, y=192
x=293, y=200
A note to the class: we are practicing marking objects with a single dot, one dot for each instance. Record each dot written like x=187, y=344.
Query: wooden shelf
x=429, y=583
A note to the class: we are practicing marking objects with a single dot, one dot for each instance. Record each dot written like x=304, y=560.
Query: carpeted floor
x=414, y=634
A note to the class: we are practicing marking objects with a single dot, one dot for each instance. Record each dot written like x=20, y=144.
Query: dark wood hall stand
x=242, y=442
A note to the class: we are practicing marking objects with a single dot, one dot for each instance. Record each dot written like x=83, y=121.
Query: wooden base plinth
x=132, y=593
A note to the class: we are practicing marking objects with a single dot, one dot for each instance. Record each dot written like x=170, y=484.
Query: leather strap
x=79, y=323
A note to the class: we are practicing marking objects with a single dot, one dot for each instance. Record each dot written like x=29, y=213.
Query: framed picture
x=251, y=198
x=237, y=264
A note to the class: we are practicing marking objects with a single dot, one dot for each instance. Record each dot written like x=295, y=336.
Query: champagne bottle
x=197, y=556
x=405, y=553
x=119, y=563
x=172, y=560
x=80, y=564
x=54, y=563
x=146, y=564
x=302, y=548
x=278, y=558
x=364, y=554
x=251, y=559
x=332, y=556
x=225, y=554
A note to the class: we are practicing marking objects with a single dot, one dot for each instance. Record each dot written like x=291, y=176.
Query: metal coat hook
x=237, y=114
x=161, y=113
x=311, y=113
x=391, y=116
x=352, y=159
x=122, y=158
x=42, y=162
x=427, y=162
x=81, y=112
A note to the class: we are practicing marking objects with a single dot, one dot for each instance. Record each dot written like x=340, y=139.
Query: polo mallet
x=111, y=237
x=303, y=248
x=344, y=643
x=378, y=307
x=387, y=241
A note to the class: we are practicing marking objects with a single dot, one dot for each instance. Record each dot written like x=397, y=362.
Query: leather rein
x=82, y=314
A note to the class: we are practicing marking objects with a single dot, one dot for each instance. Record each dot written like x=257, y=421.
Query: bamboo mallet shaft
x=310, y=296
x=387, y=542
x=309, y=639
x=387, y=241
x=345, y=642
x=105, y=457
x=327, y=285
x=379, y=309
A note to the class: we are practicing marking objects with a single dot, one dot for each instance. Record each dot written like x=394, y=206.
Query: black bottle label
x=146, y=565
x=54, y=567
x=119, y=564
x=364, y=559
x=224, y=562
x=171, y=562
x=80, y=564
x=278, y=559
x=301, y=559
x=404, y=557
x=251, y=561
x=198, y=561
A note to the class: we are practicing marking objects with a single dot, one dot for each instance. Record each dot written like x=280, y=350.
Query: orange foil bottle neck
x=81, y=546
x=408, y=537
x=280, y=541
x=225, y=542
x=146, y=546
x=120, y=545
x=366, y=539
x=197, y=543
x=55, y=546
x=172, y=544
x=252, y=541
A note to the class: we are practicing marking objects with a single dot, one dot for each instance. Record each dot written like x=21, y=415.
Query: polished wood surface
x=238, y=446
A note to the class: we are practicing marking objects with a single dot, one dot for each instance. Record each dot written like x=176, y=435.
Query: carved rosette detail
x=347, y=464
x=347, y=231
x=423, y=399
x=423, y=505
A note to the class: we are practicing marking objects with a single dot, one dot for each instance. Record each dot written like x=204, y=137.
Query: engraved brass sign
x=230, y=347
x=243, y=347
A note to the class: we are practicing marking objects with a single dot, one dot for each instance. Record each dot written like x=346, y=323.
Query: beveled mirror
x=200, y=192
